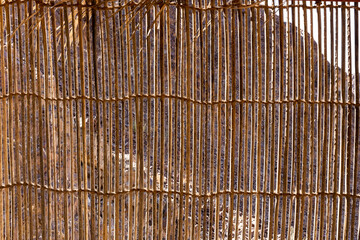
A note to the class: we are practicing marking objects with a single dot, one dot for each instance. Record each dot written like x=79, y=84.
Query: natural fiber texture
x=178, y=120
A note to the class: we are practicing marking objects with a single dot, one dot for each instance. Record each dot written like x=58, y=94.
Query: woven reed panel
x=189, y=119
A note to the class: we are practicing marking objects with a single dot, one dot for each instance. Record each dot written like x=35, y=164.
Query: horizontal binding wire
x=330, y=1
x=173, y=97
x=181, y=193
x=184, y=5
